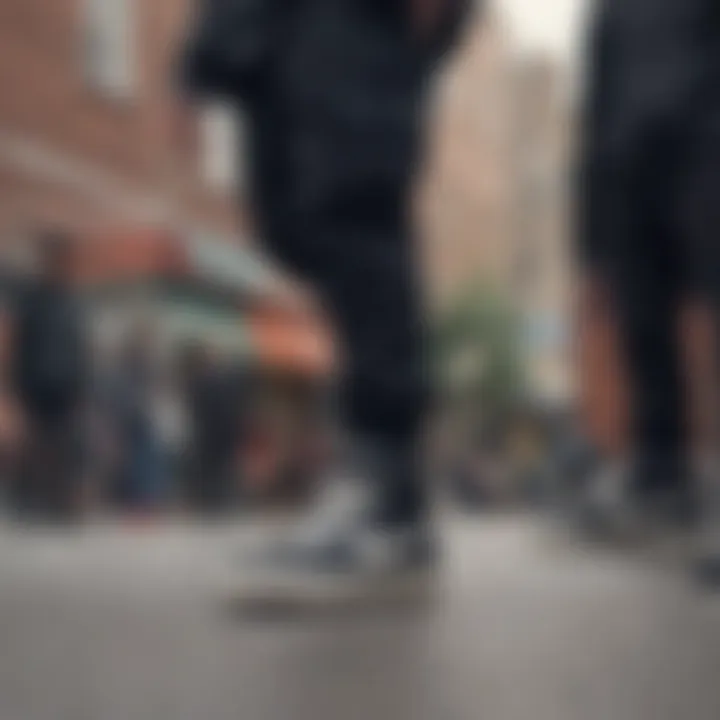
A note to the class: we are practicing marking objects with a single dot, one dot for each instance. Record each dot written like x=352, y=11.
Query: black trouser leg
x=368, y=281
x=51, y=474
x=649, y=287
x=375, y=302
x=700, y=223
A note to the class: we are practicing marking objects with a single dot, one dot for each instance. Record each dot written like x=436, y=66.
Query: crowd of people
x=127, y=427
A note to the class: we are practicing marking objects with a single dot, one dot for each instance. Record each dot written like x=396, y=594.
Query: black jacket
x=652, y=89
x=334, y=91
x=50, y=353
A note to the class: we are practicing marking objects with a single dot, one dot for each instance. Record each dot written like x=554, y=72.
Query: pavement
x=108, y=623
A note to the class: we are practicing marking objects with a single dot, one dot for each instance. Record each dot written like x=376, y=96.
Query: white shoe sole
x=325, y=593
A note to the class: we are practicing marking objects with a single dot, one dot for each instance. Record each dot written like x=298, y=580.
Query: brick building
x=95, y=140
x=468, y=198
x=542, y=274
x=496, y=195
x=89, y=124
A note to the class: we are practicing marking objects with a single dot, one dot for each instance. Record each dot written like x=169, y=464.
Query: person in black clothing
x=141, y=482
x=649, y=212
x=50, y=367
x=335, y=92
x=216, y=408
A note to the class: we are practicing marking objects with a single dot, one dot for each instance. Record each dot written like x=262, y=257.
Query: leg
x=62, y=472
x=368, y=536
x=25, y=491
x=700, y=217
x=648, y=294
x=373, y=294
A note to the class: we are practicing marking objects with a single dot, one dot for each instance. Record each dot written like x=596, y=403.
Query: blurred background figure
x=649, y=217
x=50, y=371
x=216, y=411
x=10, y=416
x=142, y=482
x=172, y=428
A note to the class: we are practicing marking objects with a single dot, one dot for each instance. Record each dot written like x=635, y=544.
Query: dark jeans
x=143, y=482
x=50, y=478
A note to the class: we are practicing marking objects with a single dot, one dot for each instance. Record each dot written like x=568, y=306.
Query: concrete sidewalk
x=106, y=624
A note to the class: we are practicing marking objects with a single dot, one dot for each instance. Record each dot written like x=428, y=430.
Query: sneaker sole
x=284, y=595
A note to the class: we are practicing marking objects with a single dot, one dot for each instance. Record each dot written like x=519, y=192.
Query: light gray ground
x=107, y=624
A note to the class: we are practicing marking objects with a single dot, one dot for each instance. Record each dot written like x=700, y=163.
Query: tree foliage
x=477, y=352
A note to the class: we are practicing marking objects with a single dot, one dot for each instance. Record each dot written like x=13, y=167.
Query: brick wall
x=88, y=159
x=467, y=199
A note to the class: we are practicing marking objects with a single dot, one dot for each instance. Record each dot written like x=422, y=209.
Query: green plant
x=478, y=354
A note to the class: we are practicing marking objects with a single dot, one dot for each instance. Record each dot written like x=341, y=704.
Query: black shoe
x=630, y=503
x=599, y=503
x=707, y=572
x=706, y=566
x=674, y=508
x=344, y=552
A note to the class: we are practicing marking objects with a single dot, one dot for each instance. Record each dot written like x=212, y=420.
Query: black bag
x=230, y=48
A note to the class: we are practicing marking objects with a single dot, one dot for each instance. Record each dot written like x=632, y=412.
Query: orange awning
x=291, y=341
x=129, y=255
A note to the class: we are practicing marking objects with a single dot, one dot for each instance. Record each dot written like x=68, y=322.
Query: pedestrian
x=50, y=370
x=142, y=481
x=170, y=416
x=650, y=173
x=216, y=410
x=335, y=95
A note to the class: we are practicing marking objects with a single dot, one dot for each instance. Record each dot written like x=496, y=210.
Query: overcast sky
x=548, y=24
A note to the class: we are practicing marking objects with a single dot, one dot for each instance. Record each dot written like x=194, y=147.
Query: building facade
x=542, y=258
x=93, y=136
x=96, y=141
x=496, y=195
x=468, y=196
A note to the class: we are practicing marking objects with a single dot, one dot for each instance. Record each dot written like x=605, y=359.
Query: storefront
x=201, y=291
x=294, y=366
x=152, y=279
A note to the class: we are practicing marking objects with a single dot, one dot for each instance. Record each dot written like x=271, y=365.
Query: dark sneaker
x=623, y=503
x=665, y=489
x=671, y=508
x=366, y=538
x=707, y=550
x=382, y=568
x=602, y=510
x=340, y=555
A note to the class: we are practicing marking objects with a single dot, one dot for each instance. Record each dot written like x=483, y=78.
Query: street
x=108, y=623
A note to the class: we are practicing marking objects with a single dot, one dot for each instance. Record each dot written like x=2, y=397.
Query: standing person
x=50, y=367
x=142, y=478
x=335, y=92
x=216, y=407
x=171, y=427
x=649, y=215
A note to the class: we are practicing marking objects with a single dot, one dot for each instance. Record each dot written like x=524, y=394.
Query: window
x=109, y=46
x=221, y=147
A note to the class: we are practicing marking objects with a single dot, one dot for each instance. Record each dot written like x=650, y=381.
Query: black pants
x=210, y=482
x=50, y=478
x=366, y=276
x=371, y=291
x=664, y=215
